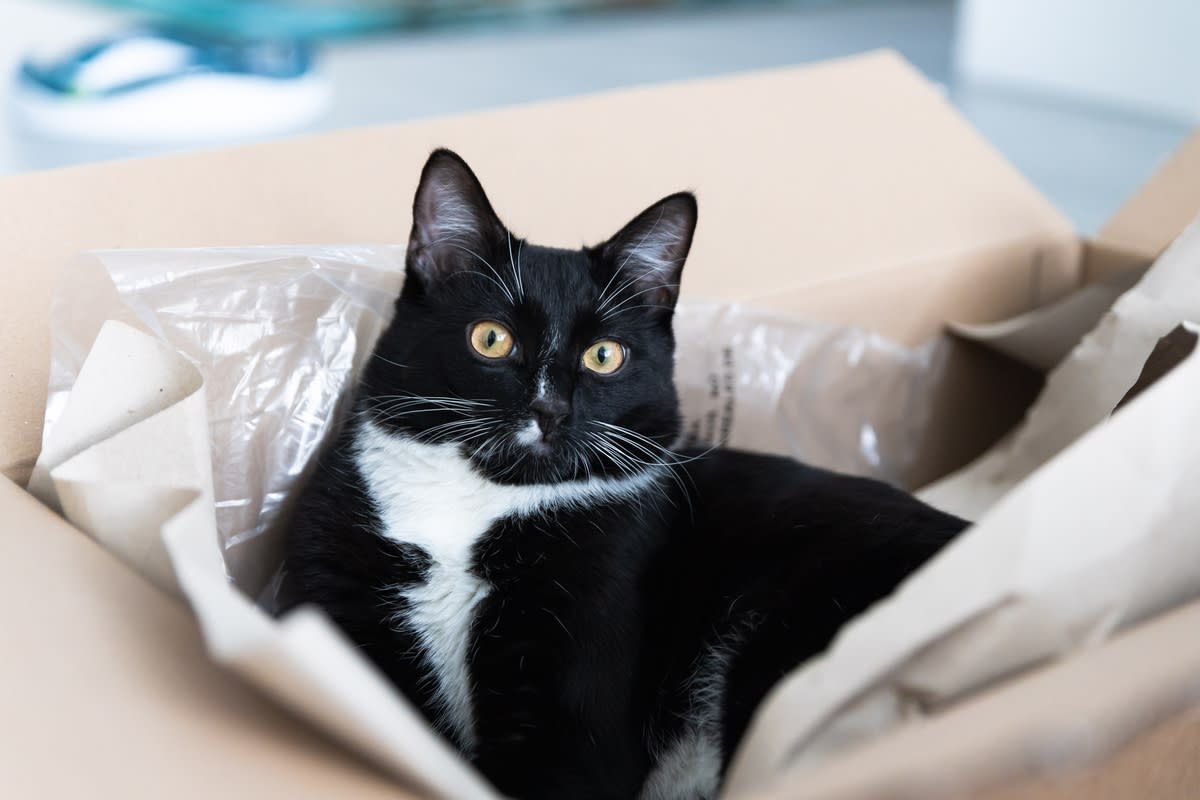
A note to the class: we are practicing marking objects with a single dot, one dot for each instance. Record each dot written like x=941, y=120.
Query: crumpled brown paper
x=279, y=334
x=1088, y=525
x=145, y=491
x=249, y=349
x=1090, y=539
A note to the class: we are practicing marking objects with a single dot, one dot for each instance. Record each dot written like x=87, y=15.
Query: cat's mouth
x=524, y=452
x=534, y=439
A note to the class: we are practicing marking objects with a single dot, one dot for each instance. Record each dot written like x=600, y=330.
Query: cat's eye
x=492, y=340
x=604, y=357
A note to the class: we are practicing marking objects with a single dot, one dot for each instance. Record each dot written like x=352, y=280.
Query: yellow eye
x=491, y=339
x=604, y=357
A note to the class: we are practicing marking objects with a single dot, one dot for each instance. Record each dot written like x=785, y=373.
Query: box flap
x=1164, y=205
x=828, y=175
x=92, y=654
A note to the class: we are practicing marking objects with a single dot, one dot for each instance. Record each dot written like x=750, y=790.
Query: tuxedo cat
x=504, y=530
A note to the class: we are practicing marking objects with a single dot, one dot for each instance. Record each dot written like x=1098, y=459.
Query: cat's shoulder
x=738, y=477
x=723, y=463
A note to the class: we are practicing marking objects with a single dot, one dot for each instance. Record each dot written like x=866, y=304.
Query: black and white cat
x=502, y=527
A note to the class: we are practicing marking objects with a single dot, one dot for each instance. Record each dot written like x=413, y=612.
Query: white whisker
x=615, y=309
x=516, y=268
x=498, y=280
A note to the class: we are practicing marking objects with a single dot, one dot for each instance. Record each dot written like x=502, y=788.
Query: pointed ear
x=453, y=223
x=647, y=255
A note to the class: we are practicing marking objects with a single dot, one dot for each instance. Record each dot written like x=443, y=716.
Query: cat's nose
x=549, y=413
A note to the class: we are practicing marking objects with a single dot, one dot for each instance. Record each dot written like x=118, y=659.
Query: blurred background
x=1084, y=97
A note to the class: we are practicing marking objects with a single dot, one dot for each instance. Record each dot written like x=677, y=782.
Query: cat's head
x=538, y=364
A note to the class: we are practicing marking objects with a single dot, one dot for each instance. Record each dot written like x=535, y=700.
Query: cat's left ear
x=650, y=250
x=454, y=225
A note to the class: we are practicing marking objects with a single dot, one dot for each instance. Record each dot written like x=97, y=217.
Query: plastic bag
x=279, y=334
x=830, y=395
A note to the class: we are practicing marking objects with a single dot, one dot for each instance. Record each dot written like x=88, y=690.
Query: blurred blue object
x=156, y=85
x=142, y=58
x=330, y=18
x=278, y=18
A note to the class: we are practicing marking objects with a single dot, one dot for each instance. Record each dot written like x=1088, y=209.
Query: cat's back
x=769, y=559
x=762, y=522
x=765, y=534
x=739, y=489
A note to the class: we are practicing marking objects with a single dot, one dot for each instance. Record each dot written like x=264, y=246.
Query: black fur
x=583, y=651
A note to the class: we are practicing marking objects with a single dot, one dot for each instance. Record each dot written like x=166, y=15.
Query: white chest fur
x=430, y=496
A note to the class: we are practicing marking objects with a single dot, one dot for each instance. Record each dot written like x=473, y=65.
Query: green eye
x=491, y=339
x=604, y=357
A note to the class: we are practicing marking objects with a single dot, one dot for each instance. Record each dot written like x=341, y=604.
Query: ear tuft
x=453, y=222
x=648, y=254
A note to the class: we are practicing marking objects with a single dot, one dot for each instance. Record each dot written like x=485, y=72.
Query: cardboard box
x=829, y=191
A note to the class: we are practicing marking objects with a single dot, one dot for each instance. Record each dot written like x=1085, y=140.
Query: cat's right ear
x=651, y=249
x=454, y=225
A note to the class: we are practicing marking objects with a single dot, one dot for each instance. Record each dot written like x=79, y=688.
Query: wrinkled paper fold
x=130, y=451
x=144, y=490
x=1087, y=525
x=279, y=334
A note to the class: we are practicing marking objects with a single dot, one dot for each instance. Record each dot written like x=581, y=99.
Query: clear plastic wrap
x=279, y=333
x=831, y=395
x=1094, y=530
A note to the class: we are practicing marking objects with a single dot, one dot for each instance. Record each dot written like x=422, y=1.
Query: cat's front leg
x=550, y=722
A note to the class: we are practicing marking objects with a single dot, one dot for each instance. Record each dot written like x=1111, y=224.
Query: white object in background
x=148, y=88
x=1128, y=54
